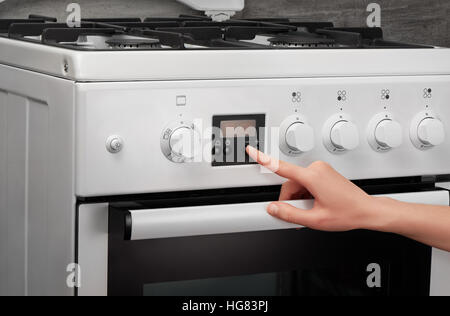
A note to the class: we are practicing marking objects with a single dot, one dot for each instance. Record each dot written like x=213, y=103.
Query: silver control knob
x=431, y=132
x=114, y=144
x=389, y=134
x=180, y=143
x=344, y=136
x=300, y=137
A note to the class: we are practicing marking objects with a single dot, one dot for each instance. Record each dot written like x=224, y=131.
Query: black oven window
x=327, y=282
x=251, y=285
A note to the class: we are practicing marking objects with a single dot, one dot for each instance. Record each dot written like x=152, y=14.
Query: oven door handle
x=233, y=218
x=204, y=220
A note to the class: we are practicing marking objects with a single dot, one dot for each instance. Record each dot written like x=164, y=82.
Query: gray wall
x=418, y=21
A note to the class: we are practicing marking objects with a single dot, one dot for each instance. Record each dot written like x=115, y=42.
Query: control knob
x=296, y=136
x=389, y=134
x=344, y=136
x=427, y=130
x=180, y=143
x=431, y=132
x=300, y=137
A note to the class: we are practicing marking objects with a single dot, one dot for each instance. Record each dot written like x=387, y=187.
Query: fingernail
x=265, y=159
x=252, y=151
x=272, y=209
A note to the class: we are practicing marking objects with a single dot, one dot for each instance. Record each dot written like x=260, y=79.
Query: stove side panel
x=36, y=183
x=3, y=218
x=15, y=207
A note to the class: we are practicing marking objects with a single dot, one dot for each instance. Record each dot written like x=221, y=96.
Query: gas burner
x=133, y=43
x=295, y=41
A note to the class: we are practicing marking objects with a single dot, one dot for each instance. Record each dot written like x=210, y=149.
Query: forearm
x=428, y=224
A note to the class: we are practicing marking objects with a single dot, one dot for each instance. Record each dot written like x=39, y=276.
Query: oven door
x=191, y=246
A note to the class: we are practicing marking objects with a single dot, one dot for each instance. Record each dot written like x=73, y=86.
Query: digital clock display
x=232, y=134
x=238, y=128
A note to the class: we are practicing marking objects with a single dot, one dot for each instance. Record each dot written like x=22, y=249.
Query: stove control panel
x=365, y=127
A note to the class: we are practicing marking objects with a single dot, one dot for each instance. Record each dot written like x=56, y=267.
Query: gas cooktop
x=194, y=32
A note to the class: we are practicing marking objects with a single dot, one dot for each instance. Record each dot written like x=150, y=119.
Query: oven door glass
x=169, y=258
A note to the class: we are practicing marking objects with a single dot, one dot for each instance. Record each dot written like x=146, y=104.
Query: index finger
x=280, y=167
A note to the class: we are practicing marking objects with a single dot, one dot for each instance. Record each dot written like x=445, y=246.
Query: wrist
x=384, y=214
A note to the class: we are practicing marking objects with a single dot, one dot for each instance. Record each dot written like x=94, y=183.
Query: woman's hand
x=339, y=204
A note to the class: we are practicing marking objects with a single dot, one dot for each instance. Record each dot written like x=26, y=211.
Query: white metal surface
x=93, y=249
x=444, y=185
x=440, y=273
x=222, y=64
x=37, y=198
x=139, y=112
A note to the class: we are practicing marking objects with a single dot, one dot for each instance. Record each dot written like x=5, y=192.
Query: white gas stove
x=132, y=110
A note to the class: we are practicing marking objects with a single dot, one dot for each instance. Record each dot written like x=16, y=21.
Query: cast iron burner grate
x=299, y=41
x=133, y=43
x=194, y=32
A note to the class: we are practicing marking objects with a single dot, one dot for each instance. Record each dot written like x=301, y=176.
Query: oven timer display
x=232, y=134
x=239, y=128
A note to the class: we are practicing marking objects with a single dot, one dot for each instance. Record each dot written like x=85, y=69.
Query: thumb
x=291, y=214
